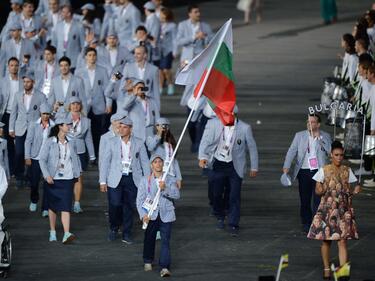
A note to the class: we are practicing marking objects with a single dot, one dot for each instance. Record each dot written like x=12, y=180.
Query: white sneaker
x=368, y=180
x=165, y=272
x=33, y=207
x=363, y=172
x=356, y=161
x=147, y=267
x=369, y=184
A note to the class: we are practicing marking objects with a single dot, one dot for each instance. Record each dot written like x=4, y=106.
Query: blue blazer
x=155, y=146
x=151, y=78
x=20, y=117
x=165, y=208
x=75, y=88
x=96, y=100
x=84, y=138
x=298, y=149
x=110, y=170
x=49, y=158
x=243, y=142
x=76, y=40
x=34, y=139
x=185, y=39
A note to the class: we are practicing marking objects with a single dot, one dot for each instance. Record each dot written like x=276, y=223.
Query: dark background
x=5, y=6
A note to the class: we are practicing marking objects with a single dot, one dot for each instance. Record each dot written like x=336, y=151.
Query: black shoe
x=234, y=231
x=127, y=240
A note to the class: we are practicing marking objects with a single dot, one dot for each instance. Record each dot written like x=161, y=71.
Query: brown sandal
x=327, y=274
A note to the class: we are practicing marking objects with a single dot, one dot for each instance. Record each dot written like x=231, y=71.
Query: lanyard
x=75, y=124
x=122, y=155
x=65, y=152
x=149, y=182
x=231, y=137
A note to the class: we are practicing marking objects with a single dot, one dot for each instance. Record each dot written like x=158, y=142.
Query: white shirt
x=146, y=110
x=55, y=19
x=141, y=72
x=65, y=85
x=27, y=100
x=17, y=47
x=126, y=153
x=91, y=73
x=67, y=26
x=66, y=160
x=168, y=155
x=112, y=56
x=195, y=27
x=45, y=136
x=14, y=89
x=224, y=150
x=49, y=69
x=310, y=152
x=319, y=176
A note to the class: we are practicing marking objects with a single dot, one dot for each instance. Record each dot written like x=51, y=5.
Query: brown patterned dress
x=334, y=219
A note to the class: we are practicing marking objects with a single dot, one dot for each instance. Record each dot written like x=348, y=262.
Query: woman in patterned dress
x=334, y=220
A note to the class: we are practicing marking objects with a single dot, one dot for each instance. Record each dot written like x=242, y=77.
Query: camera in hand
x=60, y=103
x=142, y=43
x=118, y=75
x=164, y=126
x=149, y=37
x=144, y=89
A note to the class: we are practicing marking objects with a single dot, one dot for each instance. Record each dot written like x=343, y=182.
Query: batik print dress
x=334, y=219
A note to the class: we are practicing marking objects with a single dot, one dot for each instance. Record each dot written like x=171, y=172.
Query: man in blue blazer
x=66, y=85
x=68, y=36
x=224, y=149
x=143, y=70
x=10, y=85
x=311, y=149
x=25, y=110
x=193, y=35
x=16, y=46
x=128, y=18
x=95, y=79
x=121, y=169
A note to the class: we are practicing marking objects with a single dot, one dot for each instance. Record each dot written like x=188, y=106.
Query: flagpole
x=157, y=196
x=363, y=148
x=279, y=269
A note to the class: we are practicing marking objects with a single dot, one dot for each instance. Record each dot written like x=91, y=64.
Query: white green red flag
x=211, y=71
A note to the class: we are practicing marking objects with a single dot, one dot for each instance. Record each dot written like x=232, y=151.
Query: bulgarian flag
x=211, y=73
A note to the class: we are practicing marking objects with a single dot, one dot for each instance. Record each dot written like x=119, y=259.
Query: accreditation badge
x=60, y=172
x=125, y=167
x=46, y=87
x=313, y=163
x=147, y=204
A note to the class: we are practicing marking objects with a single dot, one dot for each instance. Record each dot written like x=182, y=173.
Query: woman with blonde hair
x=80, y=135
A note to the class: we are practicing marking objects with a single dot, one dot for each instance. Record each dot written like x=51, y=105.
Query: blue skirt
x=84, y=161
x=60, y=195
x=166, y=61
